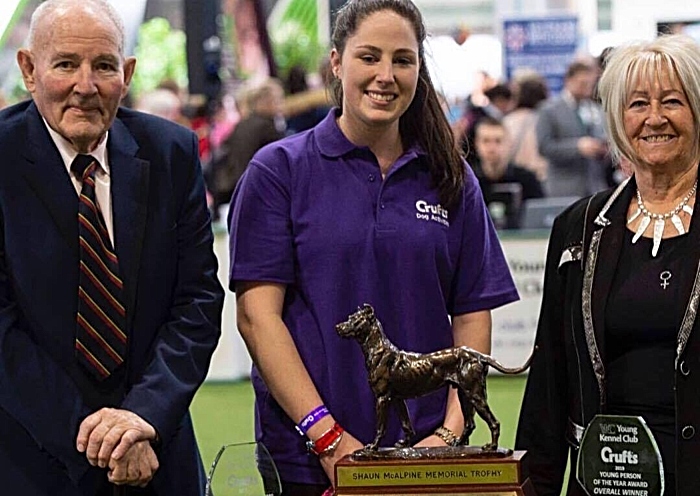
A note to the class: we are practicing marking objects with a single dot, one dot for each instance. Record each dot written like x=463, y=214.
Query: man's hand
x=109, y=433
x=136, y=468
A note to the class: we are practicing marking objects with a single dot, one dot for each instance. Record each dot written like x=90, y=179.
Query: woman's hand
x=348, y=445
x=431, y=441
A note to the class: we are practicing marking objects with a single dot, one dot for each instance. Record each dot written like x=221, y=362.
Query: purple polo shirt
x=313, y=212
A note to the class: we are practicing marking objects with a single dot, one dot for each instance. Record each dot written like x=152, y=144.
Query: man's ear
x=129, y=67
x=26, y=63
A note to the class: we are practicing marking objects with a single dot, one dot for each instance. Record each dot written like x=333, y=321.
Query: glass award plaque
x=619, y=456
x=243, y=469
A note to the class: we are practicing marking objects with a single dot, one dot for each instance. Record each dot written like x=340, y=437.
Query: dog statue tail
x=505, y=370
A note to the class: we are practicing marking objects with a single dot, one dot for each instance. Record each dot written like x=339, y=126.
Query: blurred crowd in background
x=532, y=144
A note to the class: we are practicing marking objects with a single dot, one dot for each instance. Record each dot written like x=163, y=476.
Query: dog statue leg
x=381, y=408
x=468, y=414
x=482, y=408
x=406, y=424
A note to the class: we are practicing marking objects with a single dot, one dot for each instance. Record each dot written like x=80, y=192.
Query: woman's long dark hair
x=424, y=121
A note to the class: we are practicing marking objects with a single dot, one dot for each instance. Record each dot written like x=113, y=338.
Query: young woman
x=374, y=205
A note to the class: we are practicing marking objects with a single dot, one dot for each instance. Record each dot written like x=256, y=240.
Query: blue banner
x=546, y=45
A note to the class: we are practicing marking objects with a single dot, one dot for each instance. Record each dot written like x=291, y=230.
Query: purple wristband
x=311, y=418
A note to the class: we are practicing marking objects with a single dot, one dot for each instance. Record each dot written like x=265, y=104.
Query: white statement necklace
x=660, y=219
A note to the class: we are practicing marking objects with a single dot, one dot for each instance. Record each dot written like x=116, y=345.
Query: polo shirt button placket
x=371, y=178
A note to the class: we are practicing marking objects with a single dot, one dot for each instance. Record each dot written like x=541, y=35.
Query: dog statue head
x=358, y=323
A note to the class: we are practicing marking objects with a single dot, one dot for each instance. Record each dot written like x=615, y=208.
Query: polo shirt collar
x=332, y=143
x=330, y=139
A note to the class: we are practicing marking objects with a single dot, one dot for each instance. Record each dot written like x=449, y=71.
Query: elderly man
x=110, y=304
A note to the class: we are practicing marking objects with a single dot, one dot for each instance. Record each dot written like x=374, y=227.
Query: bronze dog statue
x=396, y=375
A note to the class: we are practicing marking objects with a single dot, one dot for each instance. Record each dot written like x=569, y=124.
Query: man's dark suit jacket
x=173, y=300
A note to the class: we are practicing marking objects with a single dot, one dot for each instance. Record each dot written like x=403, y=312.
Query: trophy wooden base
x=463, y=474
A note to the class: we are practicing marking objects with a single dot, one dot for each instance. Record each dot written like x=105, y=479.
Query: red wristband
x=328, y=440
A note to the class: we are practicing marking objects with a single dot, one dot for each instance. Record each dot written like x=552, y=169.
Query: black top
x=643, y=315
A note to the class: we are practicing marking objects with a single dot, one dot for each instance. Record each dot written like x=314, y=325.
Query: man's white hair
x=52, y=8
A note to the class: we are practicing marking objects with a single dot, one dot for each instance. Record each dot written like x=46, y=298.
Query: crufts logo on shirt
x=435, y=213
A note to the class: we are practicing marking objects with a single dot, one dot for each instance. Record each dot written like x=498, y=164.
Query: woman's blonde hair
x=644, y=61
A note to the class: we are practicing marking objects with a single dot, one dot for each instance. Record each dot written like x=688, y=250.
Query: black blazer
x=173, y=299
x=566, y=383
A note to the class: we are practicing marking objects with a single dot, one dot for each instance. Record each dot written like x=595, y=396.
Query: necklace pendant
x=636, y=214
x=660, y=219
x=658, y=232
x=678, y=224
x=643, y=224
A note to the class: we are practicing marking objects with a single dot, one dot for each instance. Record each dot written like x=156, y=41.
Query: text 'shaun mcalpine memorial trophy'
x=396, y=375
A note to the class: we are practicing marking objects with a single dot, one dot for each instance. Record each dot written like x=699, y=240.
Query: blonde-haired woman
x=617, y=331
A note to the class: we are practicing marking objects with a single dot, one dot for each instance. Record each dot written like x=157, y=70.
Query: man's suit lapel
x=129, y=182
x=46, y=173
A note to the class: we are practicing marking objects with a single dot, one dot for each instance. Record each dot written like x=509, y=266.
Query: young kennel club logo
x=435, y=213
x=619, y=455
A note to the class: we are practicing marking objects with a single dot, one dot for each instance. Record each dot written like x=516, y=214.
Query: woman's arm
x=259, y=308
x=472, y=330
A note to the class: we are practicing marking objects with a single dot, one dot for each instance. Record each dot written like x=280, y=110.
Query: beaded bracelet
x=311, y=418
x=328, y=441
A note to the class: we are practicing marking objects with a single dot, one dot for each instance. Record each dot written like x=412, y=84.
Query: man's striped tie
x=100, y=339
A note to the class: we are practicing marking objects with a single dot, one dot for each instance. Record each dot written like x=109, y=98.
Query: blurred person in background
x=491, y=142
x=374, y=204
x=181, y=95
x=162, y=103
x=521, y=124
x=618, y=332
x=303, y=117
x=571, y=136
x=496, y=102
x=262, y=124
x=198, y=113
